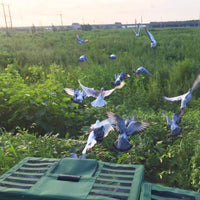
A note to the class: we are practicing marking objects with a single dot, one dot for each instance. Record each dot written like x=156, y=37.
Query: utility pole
x=8, y=23
x=10, y=16
x=4, y=13
x=61, y=19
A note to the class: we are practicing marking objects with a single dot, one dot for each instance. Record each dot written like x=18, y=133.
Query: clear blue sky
x=48, y=12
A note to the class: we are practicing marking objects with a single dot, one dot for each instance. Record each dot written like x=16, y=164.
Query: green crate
x=158, y=192
x=71, y=179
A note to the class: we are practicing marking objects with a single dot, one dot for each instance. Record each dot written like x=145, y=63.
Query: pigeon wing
x=105, y=122
x=196, y=83
x=89, y=91
x=107, y=126
x=145, y=71
x=169, y=122
x=177, y=116
x=136, y=127
x=150, y=36
x=134, y=31
x=117, y=122
x=178, y=98
x=70, y=91
x=77, y=36
x=109, y=92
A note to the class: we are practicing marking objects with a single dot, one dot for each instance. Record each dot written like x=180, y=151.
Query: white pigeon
x=185, y=98
x=99, y=95
x=97, y=133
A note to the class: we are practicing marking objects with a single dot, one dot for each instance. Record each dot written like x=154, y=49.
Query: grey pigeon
x=83, y=58
x=99, y=95
x=141, y=70
x=138, y=31
x=125, y=129
x=113, y=56
x=185, y=98
x=80, y=40
x=77, y=94
x=120, y=77
x=153, y=41
x=172, y=124
x=97, y=133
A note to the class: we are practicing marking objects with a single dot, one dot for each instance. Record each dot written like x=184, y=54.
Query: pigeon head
x=124, y=75
x=102, y=89
x=99, y=134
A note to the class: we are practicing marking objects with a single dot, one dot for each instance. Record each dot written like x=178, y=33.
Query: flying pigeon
x=173, y=124
x=125, y=129
x=120, y=77
x=138, y=32
x=97, y=133
x=83, y=58
x=77, y=94
x=185, y=98
x=99, y=95
x=80, y=40
x=140, y=70
x=112, y=56
x=153, y=41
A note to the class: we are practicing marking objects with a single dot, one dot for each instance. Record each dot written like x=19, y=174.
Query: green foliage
x=37, y=118
x=15, y=147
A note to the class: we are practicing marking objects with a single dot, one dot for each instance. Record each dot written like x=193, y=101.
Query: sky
x=66, y=12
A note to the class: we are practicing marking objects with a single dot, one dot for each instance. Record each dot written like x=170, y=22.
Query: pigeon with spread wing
x=80, y=40
x=77, y=94
x=120, y=77
x=141, y=70
x=173, y=123
x=185, y=98
x=97, y=133
x=153, y=41
x=99, y=94
x=125, y=129
x=138, y=31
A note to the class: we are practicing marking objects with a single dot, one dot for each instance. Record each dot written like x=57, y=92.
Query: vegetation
x=37, y=118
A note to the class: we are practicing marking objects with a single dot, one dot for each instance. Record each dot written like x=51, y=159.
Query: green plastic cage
x=158, y=192
x=71, y=179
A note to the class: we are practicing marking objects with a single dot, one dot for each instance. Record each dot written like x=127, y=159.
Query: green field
x=37, y=118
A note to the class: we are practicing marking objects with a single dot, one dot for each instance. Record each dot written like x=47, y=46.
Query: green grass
x=37, y=118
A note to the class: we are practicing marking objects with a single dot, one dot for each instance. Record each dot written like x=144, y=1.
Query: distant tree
x=54, y=29
x=33, y=28
x=86, y=27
